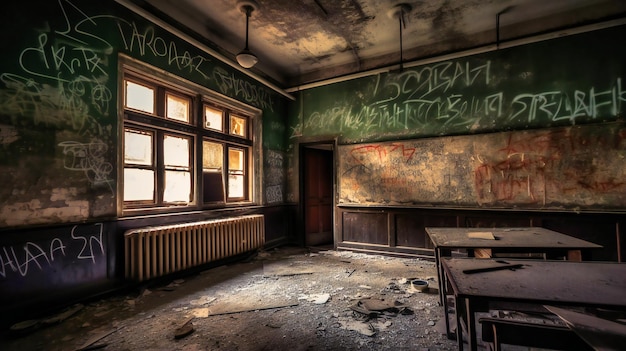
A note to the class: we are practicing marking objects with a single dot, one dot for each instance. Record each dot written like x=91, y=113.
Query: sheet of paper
x=481, y=235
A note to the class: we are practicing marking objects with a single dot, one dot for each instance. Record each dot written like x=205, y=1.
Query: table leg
x=446, y=315
x=459, y=326
x=471, y=325
x=442, y=293
x=466, y=323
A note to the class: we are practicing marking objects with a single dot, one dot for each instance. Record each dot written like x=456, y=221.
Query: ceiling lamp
x=398, y=11
x=246, y=58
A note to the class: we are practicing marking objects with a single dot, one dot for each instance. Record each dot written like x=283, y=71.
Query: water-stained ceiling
x=303, y=41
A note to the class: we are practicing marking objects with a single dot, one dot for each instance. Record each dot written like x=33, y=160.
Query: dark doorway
x=317, y=171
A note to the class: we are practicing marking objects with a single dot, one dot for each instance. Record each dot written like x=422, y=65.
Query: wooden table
x=523, y=240
x=541, y=282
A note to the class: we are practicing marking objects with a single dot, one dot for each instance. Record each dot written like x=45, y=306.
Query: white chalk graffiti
x=253, y=94
x=436, y=98
x=274, y=194
x=146, y=42
x=87, y=252
x=89, y=158
x=22, y=260
x=559, y=105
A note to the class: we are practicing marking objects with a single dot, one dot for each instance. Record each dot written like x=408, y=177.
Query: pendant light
x=246, y=58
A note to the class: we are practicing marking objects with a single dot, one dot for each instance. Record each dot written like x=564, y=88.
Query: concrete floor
x=282, y=299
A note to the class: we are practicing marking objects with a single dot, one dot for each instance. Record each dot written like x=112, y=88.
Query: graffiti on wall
x=573, y=167
x=456, y=97
x=274, y=176
x=85, y=243
x=61, y=84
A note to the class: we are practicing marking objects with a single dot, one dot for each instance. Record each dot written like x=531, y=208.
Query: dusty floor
x=282, y=299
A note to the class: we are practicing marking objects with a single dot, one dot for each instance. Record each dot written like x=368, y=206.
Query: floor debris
x=184, y=330
x=200, y=312
x=29, y=326
x=364, y=328
x=374, y=307
x=318, y=299
x=281, y=269
x=240, y=307
x=90, y=343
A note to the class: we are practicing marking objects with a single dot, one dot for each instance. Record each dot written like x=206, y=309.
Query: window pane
x=176, y=151
x=139, y=97
x=235, y=160
x=138, y=147
x=212, y=156
x=138, y=184
x=177, y=186
x=235, y=186
x=236, y=177
x=238, y=126
x=177, y=108
x=213, y=118
x=212, y=171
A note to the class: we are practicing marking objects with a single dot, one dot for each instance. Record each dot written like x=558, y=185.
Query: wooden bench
x=498, y=331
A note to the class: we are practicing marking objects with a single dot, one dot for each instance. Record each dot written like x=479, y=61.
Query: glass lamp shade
x=246, y=58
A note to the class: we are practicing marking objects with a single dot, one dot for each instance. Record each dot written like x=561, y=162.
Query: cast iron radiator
x=152, y=252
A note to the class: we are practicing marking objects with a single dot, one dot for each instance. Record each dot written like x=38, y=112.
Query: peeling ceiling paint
x=299, y=41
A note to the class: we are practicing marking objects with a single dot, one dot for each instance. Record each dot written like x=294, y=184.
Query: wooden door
x=318, y=196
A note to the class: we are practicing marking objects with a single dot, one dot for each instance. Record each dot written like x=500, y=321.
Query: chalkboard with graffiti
x=563, y=81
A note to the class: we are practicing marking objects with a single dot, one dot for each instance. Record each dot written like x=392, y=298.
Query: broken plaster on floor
x=282, y=299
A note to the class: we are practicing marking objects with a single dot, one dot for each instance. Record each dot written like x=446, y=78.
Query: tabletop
x=518, y=238
x=563, y=282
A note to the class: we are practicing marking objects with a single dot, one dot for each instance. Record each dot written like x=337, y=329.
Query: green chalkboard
x=563, y=81
x=571, y=168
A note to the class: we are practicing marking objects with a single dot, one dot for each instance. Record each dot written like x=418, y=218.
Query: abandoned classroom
x=145, y=140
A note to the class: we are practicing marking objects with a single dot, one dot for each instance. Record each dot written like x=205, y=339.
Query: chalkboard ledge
x=482, y=209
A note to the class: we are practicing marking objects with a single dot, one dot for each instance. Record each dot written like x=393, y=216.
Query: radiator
x=152, y=252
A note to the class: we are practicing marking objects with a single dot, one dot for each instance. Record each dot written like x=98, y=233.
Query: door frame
x=325, y=144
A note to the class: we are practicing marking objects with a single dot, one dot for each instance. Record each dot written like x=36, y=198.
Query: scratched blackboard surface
x=563, y=81
x=41, y=263
x=571, y=168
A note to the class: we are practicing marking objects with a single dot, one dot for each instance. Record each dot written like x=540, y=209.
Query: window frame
x=199, y=97
x=152, y=166
x=230, y=140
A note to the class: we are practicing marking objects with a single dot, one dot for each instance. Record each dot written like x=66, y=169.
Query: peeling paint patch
x=61, y=194
x=32, y=212
x=321, y=44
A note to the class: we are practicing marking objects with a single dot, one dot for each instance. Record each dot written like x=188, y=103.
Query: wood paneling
x=365, y=227
x=401, y=231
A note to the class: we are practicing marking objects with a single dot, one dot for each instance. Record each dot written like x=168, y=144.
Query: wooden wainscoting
x=401, y=231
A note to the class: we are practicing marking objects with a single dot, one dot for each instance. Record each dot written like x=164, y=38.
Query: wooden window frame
x=195, y=129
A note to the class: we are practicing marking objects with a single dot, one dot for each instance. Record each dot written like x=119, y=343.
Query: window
x=213, y=118
x=184, y=146
x=228, y=146
x=139, y=170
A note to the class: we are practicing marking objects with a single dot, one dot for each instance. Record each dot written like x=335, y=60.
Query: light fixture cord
x=248, y=11
x=400, y=20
